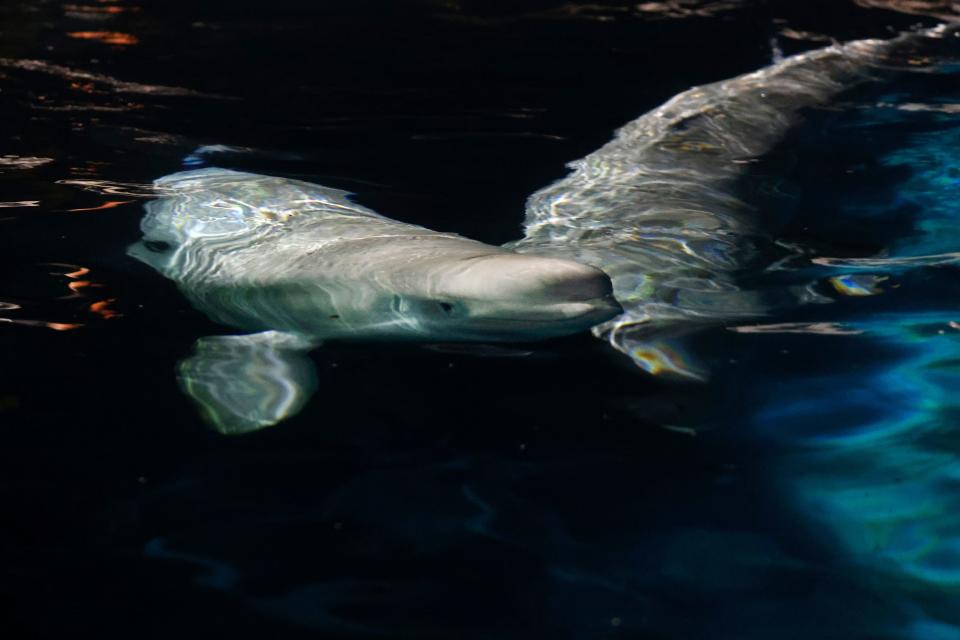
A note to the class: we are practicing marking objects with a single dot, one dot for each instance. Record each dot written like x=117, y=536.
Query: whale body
x=661, y=209
x=264, y=253
x=298, y=264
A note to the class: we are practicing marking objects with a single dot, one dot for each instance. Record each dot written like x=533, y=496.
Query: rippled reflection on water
x=872, y=450
x=789, y=475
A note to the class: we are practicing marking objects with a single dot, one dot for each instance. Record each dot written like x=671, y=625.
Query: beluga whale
x=645, y=234
x=297, y=264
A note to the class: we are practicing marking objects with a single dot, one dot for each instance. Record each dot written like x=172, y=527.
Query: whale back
x=671, y=208
x=219, y=210
x=663, y=208
x=218, y=224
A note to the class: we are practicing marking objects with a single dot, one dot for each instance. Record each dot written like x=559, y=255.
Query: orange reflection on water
x=83, y=8
x=56, y=326
x=61, y=326
x=102, y=309
x=76, y=285
x=110, y=204
x=106, y=37
x=84, y=87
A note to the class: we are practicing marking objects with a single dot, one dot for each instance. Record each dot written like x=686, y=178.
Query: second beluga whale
x=658, y=209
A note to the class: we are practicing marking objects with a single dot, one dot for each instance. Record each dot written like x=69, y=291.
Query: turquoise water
x=870, y=435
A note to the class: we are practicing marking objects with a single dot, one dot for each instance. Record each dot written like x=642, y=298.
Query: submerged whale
x=659, y=209
x=264, y=253
x=297, y=264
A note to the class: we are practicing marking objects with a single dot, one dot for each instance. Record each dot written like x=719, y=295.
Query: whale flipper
x=248, y=382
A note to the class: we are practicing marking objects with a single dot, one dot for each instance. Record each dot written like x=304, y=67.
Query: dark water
x=807, y=489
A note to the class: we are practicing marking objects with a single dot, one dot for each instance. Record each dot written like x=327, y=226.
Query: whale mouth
x=564, y=313
x=607, y=307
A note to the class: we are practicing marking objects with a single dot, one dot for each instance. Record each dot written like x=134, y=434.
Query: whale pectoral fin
x=246, y=383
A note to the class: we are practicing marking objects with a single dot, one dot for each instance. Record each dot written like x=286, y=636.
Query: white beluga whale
x=298, y=264
x=263, y=253
x=659, y=209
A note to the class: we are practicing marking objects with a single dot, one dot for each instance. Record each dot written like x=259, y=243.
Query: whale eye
x=450, y=309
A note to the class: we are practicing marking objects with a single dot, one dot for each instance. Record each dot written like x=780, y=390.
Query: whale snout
x=565, y=290
x=574, y=282
x=597, y=310
x=518, y=297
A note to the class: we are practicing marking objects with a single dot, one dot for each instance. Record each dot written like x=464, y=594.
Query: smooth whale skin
x=300, y=264
x=263, y=253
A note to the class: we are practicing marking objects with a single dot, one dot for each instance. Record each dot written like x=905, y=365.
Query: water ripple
x=109, y=187
x=19, y=203
x=119, y=86
x=23, y=162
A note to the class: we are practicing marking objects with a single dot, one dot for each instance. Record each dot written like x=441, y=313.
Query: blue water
x=803, y=484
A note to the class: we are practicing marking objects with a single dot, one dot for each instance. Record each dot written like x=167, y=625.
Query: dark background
x=426, y=491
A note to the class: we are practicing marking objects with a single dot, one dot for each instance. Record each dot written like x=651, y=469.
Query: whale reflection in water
x=659, y=209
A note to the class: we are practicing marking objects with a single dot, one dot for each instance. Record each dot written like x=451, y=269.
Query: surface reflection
x=19, y=203
x=858, y=284
x=81, y=75
x=942, y=9
x=870, y=435
x=875, y=461
x=109, y=204
x=18, y=162
x=106, y=37
x=81, y=287
x=95, y=12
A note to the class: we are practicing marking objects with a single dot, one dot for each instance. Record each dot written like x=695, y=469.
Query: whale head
x=512, y=297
